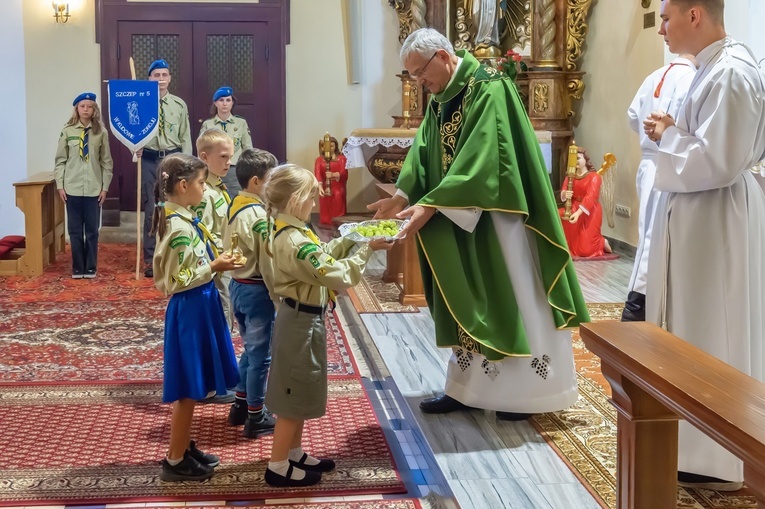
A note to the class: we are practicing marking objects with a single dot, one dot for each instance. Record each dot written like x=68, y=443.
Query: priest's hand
x=418, y=216
x=665, y=122
x=388, y=208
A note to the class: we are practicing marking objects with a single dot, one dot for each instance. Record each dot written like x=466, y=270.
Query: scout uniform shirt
x=173, y=130
x=212, y=210
x=181, y=258
x=247, y=218
x=78, y=175
x=305, y=268
x=236, y=127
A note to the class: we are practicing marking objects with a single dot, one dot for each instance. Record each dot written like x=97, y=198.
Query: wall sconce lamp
x=61, y=11
x=645, y=3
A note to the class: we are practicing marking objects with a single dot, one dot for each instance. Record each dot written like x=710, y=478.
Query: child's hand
x=224, y=262
x=378, y=244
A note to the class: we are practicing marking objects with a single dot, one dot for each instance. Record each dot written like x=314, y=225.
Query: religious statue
x=485, y=15
x=582, y=215
x=332, y=175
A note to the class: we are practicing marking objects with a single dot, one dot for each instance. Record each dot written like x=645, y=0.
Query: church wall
x=12, y=133
x=63, y=60
x=619, y=55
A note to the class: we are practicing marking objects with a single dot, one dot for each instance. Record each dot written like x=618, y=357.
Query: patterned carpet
x=584, y=436
x=373, y=295
x=369, y=504
x=105, y=341
x=102, y=444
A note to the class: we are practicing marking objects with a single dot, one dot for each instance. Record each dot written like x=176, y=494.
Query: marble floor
x=487, y=463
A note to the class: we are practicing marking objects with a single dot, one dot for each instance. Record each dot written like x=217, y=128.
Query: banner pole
x=138, y=221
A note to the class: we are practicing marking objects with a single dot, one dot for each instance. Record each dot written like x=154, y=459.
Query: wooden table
x=403, y=267
x=43, y=210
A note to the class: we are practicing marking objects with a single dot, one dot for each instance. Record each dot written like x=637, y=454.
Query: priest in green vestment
x=498, y=277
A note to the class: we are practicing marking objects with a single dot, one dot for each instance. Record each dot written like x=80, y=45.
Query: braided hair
x=170, y=172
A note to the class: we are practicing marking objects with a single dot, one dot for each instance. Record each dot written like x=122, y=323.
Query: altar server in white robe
x=706, y=280
x=663, y=90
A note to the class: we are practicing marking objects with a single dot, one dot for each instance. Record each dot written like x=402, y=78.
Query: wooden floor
x=487, y=463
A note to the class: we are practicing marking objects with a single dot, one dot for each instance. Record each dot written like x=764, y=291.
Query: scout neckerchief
x=240, y=203
x=161, y=124
x=202, y=231
x=222, y=188
x=280, y=226
x=84, y=135
x=224, y=123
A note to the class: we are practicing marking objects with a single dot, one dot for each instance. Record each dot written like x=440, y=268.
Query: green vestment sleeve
x=476, y=149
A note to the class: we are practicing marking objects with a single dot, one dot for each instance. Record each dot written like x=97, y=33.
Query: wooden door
x=236, y=55
x=205, y=50
x=147, y=41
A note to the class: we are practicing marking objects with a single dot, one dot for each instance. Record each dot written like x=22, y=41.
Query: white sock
x=173, y=462
x=281, y=467
x=296, y=455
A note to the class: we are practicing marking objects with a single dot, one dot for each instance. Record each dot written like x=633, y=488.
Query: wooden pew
x=403, y=265
x=36, y=196
x=656, y=378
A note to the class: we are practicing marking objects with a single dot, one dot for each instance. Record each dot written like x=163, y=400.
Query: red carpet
x=109, y=329
x=367, y=504
x=91, y=444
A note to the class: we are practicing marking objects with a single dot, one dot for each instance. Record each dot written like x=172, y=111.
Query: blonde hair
x=209, y=139
x=286, y=189
x=96, y=126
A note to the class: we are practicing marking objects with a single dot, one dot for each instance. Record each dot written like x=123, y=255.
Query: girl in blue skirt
x=199, y=357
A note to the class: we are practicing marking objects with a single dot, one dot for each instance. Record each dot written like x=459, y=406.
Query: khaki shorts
x=297, y=382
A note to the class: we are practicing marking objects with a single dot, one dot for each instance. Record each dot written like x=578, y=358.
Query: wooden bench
x=43, y=210
x=656, y=379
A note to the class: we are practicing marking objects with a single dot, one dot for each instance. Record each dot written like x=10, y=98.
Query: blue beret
x=222, y=92
x=158, y=64
x=90, y=96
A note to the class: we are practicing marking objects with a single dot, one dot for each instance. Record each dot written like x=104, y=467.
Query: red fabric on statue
x=584, y=237
x=333, y=205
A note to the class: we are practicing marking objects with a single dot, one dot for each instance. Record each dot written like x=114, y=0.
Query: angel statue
x=583, y=189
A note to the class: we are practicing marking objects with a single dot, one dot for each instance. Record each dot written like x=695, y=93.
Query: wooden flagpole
x=138, y=221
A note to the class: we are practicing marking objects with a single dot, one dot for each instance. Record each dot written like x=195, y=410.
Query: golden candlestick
x=406, y=102
x=236, y=251
x=326, y=148
x=573, y=152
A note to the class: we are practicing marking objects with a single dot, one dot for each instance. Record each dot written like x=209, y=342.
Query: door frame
x=275, y=13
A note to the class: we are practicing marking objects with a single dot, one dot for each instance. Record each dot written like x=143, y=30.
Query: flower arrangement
x=511, y=63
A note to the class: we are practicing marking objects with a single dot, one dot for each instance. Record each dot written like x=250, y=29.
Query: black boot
x=634, y=308
x=442, y=405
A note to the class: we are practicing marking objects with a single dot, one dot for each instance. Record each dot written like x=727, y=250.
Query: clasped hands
x=656, y=123
x=396, y=208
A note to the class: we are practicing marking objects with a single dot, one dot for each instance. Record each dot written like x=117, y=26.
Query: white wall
x=62, y=61
x=12, y=133
x=619, y=55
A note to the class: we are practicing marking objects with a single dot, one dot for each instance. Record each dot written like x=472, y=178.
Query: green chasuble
x=476, y=149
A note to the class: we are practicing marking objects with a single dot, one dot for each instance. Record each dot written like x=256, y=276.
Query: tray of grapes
x=372, y=229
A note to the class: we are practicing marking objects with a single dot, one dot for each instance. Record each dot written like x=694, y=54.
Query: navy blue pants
x=84, y=218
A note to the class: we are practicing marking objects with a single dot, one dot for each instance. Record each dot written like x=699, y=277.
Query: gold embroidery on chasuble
x=466, y=341
x=449, y=132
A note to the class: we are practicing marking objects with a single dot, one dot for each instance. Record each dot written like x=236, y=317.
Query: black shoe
x=148, y=271
x=91, y=274
x=256, y=427
x=281, y=481
x=698, y=481
x=324, y=465
x=202, y=457
x=237, y=415
x=512, y=416
x=442, y=405
x=219, y=399
x=634, y=308
x=188, y=469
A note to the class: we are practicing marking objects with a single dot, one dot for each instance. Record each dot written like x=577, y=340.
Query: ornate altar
x=382, y=151
x=550, y=33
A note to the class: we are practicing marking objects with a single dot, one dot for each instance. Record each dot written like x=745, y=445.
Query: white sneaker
x=78, y=276
x=90, y=275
